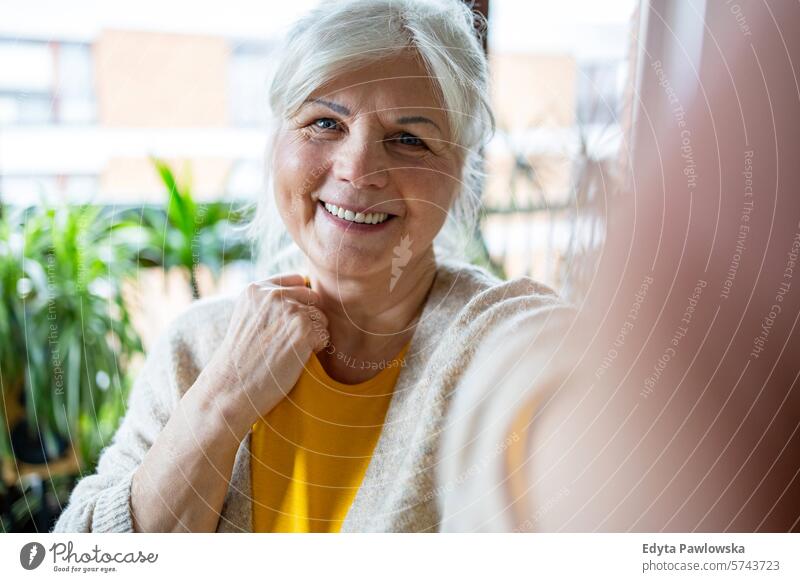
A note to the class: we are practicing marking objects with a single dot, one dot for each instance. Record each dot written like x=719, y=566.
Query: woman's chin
x=350, y=261
x=352, y=252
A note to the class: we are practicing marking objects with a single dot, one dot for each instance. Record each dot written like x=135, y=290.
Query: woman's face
x=365, y=171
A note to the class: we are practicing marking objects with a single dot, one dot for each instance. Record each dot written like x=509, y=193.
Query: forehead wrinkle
x=341, y=86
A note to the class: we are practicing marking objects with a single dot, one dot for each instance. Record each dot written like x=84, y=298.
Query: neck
x=364, y=310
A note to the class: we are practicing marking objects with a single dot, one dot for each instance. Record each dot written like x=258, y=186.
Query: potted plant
x=68, y=338
x=70, y=341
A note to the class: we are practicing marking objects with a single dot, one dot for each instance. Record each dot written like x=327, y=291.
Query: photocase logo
x=31, y=555
x=402, y=254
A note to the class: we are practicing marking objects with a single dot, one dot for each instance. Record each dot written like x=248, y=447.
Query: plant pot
x=29, y=445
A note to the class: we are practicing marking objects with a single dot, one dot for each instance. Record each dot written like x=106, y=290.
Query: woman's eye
x=407, y=139
x=325, y=123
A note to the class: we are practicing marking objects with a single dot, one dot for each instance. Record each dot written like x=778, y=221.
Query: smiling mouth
x=356, y=217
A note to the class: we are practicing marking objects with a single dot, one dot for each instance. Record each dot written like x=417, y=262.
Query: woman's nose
x=361, y=161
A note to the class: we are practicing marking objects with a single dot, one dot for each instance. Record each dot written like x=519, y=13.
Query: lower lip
x=355, y=226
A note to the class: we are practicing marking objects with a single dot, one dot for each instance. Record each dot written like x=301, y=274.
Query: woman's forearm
x=182, y=481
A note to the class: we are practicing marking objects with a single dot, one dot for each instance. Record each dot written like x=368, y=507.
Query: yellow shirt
x=309, y=454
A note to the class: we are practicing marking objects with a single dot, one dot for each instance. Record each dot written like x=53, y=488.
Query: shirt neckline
x=318, y=370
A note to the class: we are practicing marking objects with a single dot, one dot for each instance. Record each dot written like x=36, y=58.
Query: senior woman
x=314, y=400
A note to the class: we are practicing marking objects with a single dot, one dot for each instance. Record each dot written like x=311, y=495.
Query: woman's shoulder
x=468, y=301
x=476, y=286
x=195, y=333
x=202, y=316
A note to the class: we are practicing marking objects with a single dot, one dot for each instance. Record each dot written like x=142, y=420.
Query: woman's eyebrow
x=417, y=119
x=342, y=110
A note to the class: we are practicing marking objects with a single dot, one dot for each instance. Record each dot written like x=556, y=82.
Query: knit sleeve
x=100, y=502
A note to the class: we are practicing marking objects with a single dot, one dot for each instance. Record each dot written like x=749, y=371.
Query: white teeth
x=359, y=217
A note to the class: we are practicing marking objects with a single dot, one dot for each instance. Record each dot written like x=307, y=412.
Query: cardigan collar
x=443, y=302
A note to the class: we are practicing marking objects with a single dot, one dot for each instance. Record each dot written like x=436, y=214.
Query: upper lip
x=372, y=208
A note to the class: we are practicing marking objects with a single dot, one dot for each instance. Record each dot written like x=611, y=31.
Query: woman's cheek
x=440, y=207
x=283, y=170
x=297, y=179
x=439, y=201
x=425, y=219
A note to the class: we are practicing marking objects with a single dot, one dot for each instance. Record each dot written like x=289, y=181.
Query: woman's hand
x=271, y=334
x=274, y=328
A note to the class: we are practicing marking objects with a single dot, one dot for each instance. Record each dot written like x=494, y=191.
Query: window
x=74, y=87
x=45, y=83
x=248, y=84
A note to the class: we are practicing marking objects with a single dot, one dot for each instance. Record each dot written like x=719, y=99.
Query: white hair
x=340, y=36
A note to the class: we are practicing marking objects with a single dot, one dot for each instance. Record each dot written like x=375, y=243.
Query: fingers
x=319, y=329
x=300, y=294
x=291, y=298
x=317, y=315
x=286, y=280
x=308, y=325
x=291, y=282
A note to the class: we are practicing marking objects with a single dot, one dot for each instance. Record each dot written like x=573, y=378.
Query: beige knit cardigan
x=399, y=491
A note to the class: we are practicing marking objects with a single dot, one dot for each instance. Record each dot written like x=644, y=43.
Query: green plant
x=186, y=233
x=68, y=337
x=71, y=335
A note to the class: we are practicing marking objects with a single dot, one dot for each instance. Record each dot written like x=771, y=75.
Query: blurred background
x=131, y=141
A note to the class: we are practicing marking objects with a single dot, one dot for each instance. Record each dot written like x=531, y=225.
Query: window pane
x=25, y=108
x=248, y=90
x=25, y=66
x=75, y=88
